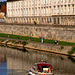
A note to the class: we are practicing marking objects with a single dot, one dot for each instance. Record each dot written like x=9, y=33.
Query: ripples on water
x=14, y=62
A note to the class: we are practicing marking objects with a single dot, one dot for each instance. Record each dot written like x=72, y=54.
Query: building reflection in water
x=3, y=64
x=2, y=58
x=17, y=60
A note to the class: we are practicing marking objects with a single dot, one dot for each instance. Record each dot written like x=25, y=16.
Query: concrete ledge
x=41, y=25
x=53, y=48
x=57, y=49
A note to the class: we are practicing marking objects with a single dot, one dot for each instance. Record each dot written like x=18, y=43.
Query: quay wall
x=37, y=46
x=52, y=48
x=52, y=32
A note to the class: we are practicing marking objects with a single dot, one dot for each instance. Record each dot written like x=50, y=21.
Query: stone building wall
x=53, y=32
x=41, y=11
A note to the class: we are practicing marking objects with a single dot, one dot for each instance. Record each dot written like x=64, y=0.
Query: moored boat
x=41, y=68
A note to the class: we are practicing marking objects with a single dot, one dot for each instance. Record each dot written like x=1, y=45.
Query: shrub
x=72, y=51
x=62, y=47
x=2, y=40
x=24, y=42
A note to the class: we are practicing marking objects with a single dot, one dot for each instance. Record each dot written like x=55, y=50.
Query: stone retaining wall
x=62, y=33
x=59, y=49
x=53, y=48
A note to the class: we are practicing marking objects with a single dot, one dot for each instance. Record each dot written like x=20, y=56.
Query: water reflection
x=3, y=64
x=72, y=59
x=19, y=63
x=2, y=58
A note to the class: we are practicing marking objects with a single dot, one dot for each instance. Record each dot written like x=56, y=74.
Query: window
x=65, y=9
x=46, y=69
x=68, y=1
x=54, y=20
x=58, y=20
x=32, y=2
x=42, y=20
x=54, y=9
x=26, y=3
x=68, y=8
x=58, y=10
x=50, y=20
x=26, y=11
x=35, y=2
x=46, y=1
x=38, y=10
x=32, y=11
x=29, y=3
x=49, y=1
x=54, y=1
x=44, y=10
x=35, y=11
x=29, y=11
x=39, y=2
x=49, y=10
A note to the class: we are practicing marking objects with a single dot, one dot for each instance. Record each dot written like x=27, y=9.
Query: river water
x=15, y=62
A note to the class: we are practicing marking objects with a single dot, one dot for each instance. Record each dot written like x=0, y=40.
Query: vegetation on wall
x=62, y=47
x=72, y=51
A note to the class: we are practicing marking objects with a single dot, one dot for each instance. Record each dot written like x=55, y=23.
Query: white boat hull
x=32, y=72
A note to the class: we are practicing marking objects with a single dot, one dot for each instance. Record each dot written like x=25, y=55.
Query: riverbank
x=39, y=39
x=23, y=45
x=51, y=32
x=52, y=48
x=13, y=43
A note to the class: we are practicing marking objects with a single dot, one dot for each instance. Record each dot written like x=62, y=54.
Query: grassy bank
x=35, y=39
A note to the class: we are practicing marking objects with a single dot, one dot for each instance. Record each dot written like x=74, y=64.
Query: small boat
x=41, y=68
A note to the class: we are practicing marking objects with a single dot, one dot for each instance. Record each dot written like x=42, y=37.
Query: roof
x=43, y=63
x=11, y=0
x=62, y=15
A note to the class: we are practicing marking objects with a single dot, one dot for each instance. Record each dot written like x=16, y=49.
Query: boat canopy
x=44, y=66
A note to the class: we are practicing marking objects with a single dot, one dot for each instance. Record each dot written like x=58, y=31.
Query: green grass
x=72, y=51
x=13, y=36
x=36, y=39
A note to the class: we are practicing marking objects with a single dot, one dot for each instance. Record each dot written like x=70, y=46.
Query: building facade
x=41, y=11
x=3, y=7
